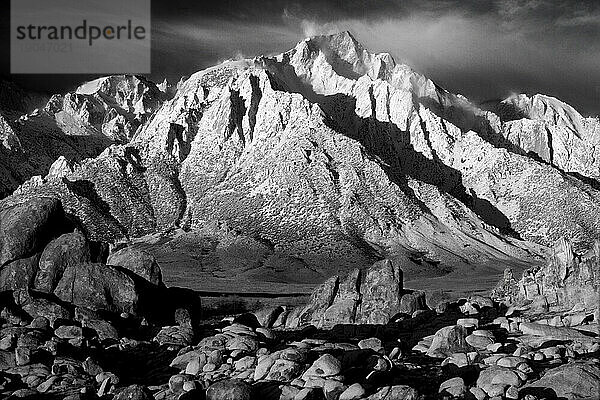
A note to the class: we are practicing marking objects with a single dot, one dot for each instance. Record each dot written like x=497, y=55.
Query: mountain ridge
x=336, y=156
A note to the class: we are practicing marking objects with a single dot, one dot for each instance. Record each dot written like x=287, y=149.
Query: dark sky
x=483, y=49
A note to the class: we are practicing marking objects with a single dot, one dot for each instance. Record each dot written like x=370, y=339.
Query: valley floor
x=239, y=283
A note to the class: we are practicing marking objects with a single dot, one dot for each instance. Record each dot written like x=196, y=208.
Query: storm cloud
x=483, y=49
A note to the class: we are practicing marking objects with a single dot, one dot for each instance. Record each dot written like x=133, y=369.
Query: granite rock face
x=370, y=296
x=19, y=273
x=381, y=290
x=571, y=381
x=25, y=227
x=140, y=262
x=568, y=280
x=70, y=249
x=98, y=287
x=114, y=105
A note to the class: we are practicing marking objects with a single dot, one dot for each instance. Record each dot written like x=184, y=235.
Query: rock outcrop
x=371, y=296
x=40, y=253
x=571, y=381
x=554, y=131
x=567, y=281
x=27, y=226
x=67, y=251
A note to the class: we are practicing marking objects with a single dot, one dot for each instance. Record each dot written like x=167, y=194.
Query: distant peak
x=341, y=45
x=527, y=102
x=547, y=108
x=342, y=35
x=342, y=40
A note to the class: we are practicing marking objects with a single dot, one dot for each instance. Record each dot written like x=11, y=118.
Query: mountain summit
x=330, y=157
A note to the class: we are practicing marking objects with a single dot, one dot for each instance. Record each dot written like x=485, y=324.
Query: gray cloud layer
x=484, y=49
x=481, y=48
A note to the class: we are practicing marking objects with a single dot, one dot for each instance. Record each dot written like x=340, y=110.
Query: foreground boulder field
x=474, y=348
x=75, y=327
x=324, y=161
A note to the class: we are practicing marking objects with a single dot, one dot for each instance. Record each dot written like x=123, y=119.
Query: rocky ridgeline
x=75, y=125
x=553, y=130
x=113, y=107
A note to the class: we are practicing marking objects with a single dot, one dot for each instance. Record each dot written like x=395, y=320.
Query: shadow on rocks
x=158, y=303
x=540, y=393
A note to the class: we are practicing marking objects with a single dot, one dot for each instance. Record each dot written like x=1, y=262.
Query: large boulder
x=449, y=340
x=138, y=261
x=26, y=227
x=551, y=332
x=98, y=287
x=70, y=249
x=232, y=389
x=345, y=303
x=548, y=333
x=325, y=366
x=35, y=307
x=370, y=296
x=396, y=392
x=571, y=381
x=268, y=315
x=413, y=301
x=18, y=274
x=496, y=378
x=320, y=300
x=134, y=392
x=381, y=292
